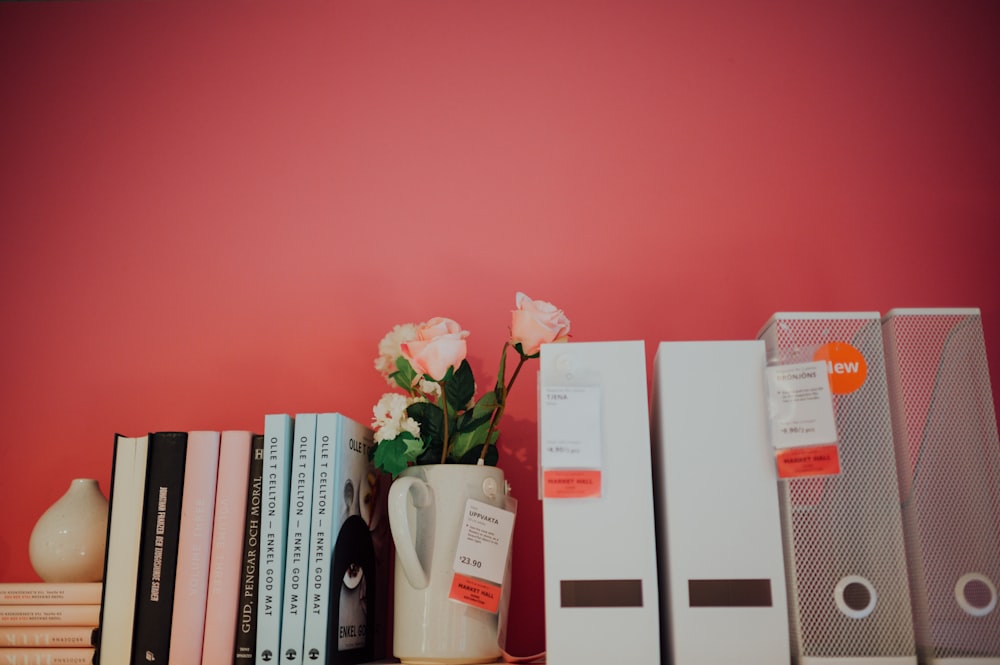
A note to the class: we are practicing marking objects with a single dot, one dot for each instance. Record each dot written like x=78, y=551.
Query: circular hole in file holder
x=855, y=596
x=976, y=594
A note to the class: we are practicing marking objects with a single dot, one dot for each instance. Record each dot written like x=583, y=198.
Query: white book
x=347, y=594
x=273, y=526
x=300, y=500
x=121, y=564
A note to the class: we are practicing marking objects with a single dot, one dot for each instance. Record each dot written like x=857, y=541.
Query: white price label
x=800, y=405
x=484, y=541
x=571, y=427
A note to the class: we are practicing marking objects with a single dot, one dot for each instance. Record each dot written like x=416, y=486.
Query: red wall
x=212, y=212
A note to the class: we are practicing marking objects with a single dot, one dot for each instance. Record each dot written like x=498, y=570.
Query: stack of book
x=48, y=623
x=251, y=549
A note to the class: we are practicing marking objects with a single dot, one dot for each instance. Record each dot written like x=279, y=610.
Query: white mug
x=426, y=509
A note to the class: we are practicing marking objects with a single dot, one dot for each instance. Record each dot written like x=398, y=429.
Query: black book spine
x=246, y=620
x=158, y=550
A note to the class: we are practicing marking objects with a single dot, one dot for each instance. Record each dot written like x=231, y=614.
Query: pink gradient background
x=213, y=211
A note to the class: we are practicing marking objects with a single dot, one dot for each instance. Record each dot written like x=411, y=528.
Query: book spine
x=320, y=539
x=354, y=577
x=158, y=555
x=194, y=546
x=274, y=522
x=125, y=505
x=50, y=615
x=227, y=547
x=297, y=539
x=246, y=625
x=44, y=656
x=47, y=636
x=54, y=593
x=124, y=448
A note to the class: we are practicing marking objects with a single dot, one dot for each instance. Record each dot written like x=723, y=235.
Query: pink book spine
x=227, y=548
x=194, y=548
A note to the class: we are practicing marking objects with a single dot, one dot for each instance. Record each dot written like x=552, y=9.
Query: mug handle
x=399, y=492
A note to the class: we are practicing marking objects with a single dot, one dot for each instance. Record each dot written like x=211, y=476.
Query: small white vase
x=68, y=541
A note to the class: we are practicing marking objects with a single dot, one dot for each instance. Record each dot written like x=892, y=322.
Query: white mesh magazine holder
x=849, y=600
x=949, y=473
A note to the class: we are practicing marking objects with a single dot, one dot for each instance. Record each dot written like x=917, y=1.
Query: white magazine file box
x=722, y=574
x=601, y=600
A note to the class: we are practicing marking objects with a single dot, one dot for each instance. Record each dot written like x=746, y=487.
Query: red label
x=577, y=484
x=469, y=590
x=806, y=462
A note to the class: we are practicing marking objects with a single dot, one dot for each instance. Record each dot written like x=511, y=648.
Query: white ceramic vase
x=426, y=509
x=68, y=541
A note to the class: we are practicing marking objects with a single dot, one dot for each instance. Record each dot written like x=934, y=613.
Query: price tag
x=571, y=484
x=800, y=406
x=477, y=593
x=571, y=427
x=481, y=555
x=808, y=462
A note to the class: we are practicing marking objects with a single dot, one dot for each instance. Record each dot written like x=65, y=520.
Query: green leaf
x=430, y=417
x=461, y=443
x=431, y=455
x=465, y=441
x=460, y=388
x=404, y=374
x=486, y=405
x=468, y=421
x=391, y=456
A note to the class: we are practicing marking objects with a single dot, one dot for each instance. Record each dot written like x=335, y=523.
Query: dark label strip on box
x=600, y=593
x=729, y=593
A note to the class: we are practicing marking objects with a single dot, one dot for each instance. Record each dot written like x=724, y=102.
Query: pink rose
x=440, y=344
x=536, y=322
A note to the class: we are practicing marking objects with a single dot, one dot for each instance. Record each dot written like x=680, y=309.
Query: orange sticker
x=469, y=590
x=575, y=484
x=806, y=462
x=845, y=366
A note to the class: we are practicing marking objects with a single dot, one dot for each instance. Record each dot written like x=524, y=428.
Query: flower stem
x=444, y=410
x=501, y=402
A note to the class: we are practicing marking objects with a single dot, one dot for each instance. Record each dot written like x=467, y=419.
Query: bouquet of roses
x=436, y=419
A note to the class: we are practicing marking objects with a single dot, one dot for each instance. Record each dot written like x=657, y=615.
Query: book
x=246, y=626
x=47, y=636
x=47, y=656
x=194, y=546
x=297, y=539
x=55, y=593
x=158, y=552
x=121, y=568
x=50, y=615
x=274, y=523
x=227, y=548
x=347, y=615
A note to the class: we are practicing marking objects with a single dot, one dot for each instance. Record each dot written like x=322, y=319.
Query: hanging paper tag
x=803, y=424
x=481, y=555
x=571, y=427
x=800, y=406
